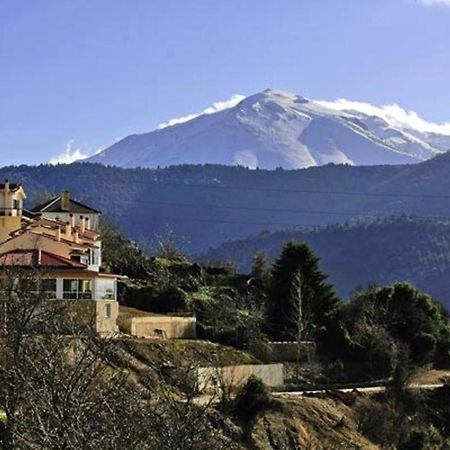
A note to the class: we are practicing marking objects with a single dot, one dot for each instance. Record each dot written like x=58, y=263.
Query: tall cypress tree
x=319, y=302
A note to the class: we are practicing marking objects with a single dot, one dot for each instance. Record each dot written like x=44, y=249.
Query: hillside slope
x=208, y=205
x=277, y=129
x=377, y=252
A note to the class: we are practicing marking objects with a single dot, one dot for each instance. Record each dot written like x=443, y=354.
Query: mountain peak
x=275, y=93
x=276, y=128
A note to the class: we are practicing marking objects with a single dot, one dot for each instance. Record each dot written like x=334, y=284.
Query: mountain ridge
x=210, y=204
x=361, y=253
x=274, y=129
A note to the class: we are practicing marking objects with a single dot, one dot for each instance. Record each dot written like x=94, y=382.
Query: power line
x=250, y=208
x=288, y=210
x=266, y=209
x=227, y=222
x=286, y=225
x=152, y=183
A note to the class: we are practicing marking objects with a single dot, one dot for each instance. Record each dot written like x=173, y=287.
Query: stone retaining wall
x=229, y=378
x=163, y=327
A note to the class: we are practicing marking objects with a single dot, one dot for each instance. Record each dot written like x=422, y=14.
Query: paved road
x=366, y=390
x=206, y=399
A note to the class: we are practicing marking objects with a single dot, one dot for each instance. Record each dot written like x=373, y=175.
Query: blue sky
x=80, y=74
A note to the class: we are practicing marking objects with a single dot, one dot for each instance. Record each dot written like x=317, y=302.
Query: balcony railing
x=71, y=295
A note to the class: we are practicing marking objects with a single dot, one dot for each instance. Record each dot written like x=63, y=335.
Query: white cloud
x=215, y=107
x=393, y=114
x=71, y=154
x=434, y=2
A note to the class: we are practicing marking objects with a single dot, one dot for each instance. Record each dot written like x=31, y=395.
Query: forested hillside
x=379, y=252
x=207, y=205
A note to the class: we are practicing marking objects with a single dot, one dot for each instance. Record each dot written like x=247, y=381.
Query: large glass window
x=48, y=287
x=105, y=289
x=45, y=287
x=77, y=289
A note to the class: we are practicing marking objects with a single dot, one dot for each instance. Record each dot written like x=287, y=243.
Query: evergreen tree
x=319, y=302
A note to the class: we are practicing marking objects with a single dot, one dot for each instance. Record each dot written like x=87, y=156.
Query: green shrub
x=170, y=299
x=252, y=400
x=425, y=439
x=165, y=299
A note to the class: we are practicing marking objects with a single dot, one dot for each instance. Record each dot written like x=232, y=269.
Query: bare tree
x=64, y=387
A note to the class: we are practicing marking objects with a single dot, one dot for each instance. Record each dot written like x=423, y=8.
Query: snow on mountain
x=278, y=129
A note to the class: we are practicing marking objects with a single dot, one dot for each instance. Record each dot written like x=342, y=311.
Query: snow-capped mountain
x=278, y=129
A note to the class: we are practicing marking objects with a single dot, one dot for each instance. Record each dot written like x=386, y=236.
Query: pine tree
x=319, y=302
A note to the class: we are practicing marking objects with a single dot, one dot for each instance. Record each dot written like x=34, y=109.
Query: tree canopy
x=318, y=298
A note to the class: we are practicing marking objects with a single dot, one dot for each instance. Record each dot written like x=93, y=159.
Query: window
x=105, y=289
x=84, y=259
x=45, y=287
x=48, y=287
x=95, y=256
x=77, y=289
x=107, y=311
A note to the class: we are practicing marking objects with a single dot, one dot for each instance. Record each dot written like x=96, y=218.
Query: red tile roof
x=38, y=258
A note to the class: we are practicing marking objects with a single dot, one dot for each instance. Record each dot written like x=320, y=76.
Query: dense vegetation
x=63, y=387
x=387, y=333
x=369, y=337
x=212, y=204
x=83, y=392
x=198, y=202
x=366, y=252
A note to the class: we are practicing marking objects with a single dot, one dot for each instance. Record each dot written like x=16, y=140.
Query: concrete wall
x=106, y=315
x=215, y=379
x=87, y=312
x=100, y=314
x=173, y=327
x=66, y=217
x=30, y=240
x=8, y=225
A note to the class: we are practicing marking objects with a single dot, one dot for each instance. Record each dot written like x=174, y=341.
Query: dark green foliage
x=120, y=255
x=379, y=421
x=143, y=201
x=227, y=318
x=170, y=299
x=253, y=400
x=167, y=299
x=318, y=299
x=406, y=420
x=390, y=331
x=425, y=439
x=366, y=252
x=439, y=405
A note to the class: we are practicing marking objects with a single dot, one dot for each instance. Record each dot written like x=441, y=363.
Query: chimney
x=6, y=185
x=68, y=230
x=82, y=225
x=88, y=223
x=72, y=220
x=75, y=237
x=65, y=201
x=58, y=234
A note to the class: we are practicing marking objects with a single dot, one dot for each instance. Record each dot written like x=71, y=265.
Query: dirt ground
x=313, y=424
